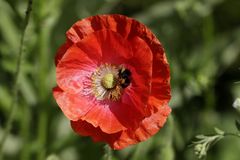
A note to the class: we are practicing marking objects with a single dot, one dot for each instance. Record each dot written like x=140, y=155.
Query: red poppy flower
x=113, y=80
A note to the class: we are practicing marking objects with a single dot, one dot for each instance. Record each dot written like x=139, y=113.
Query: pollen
x=108, y=81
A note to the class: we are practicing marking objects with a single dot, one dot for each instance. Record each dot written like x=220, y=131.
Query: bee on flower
x=113, y=80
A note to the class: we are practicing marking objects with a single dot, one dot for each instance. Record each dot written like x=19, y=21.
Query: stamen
x=108, y=81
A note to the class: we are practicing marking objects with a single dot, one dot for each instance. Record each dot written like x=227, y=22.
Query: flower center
x=108, y=81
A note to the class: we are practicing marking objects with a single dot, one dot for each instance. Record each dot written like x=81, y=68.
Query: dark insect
x=124, y=77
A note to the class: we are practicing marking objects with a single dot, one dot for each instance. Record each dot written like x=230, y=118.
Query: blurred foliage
x=202, y=42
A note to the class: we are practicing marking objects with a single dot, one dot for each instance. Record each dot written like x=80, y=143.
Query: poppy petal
x=114, y=48
x=141, y=68
x=74, y=70
x=139, y=84
x=143, y=58
x=84, y=128
x=149, y=126
x=160, y=66
x=106, y=46
x=117, y=23
x=114, y=117
x=61, y=51
x=73, y=106
x=101, y=116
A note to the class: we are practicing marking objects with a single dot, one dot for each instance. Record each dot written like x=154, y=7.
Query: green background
x=202, y=43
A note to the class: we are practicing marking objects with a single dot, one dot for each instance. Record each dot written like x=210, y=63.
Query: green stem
x=42, y=60
x=13, y=105
x=13, y=7
x=108, y=153
x=167, y=153
x=25, y=125
x=42, y=134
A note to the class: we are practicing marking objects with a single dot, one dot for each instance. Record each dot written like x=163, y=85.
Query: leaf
x=53, y=157
x=219, y=131
x=160, y=9
x=5, y=98
x=201, y=136
x=8, y=30
x=237, y=123
x=27, y=90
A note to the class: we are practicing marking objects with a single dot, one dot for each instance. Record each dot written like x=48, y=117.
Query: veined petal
x=101, y=116
x=149, y=126
x=142, y=58
x=113, y=117
x=117, y=23
x=114, y=49
x=131, y=96
x=141, y=68
x=73, y=106
x=84, y=128
x=74, y=70
x=61, y=51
